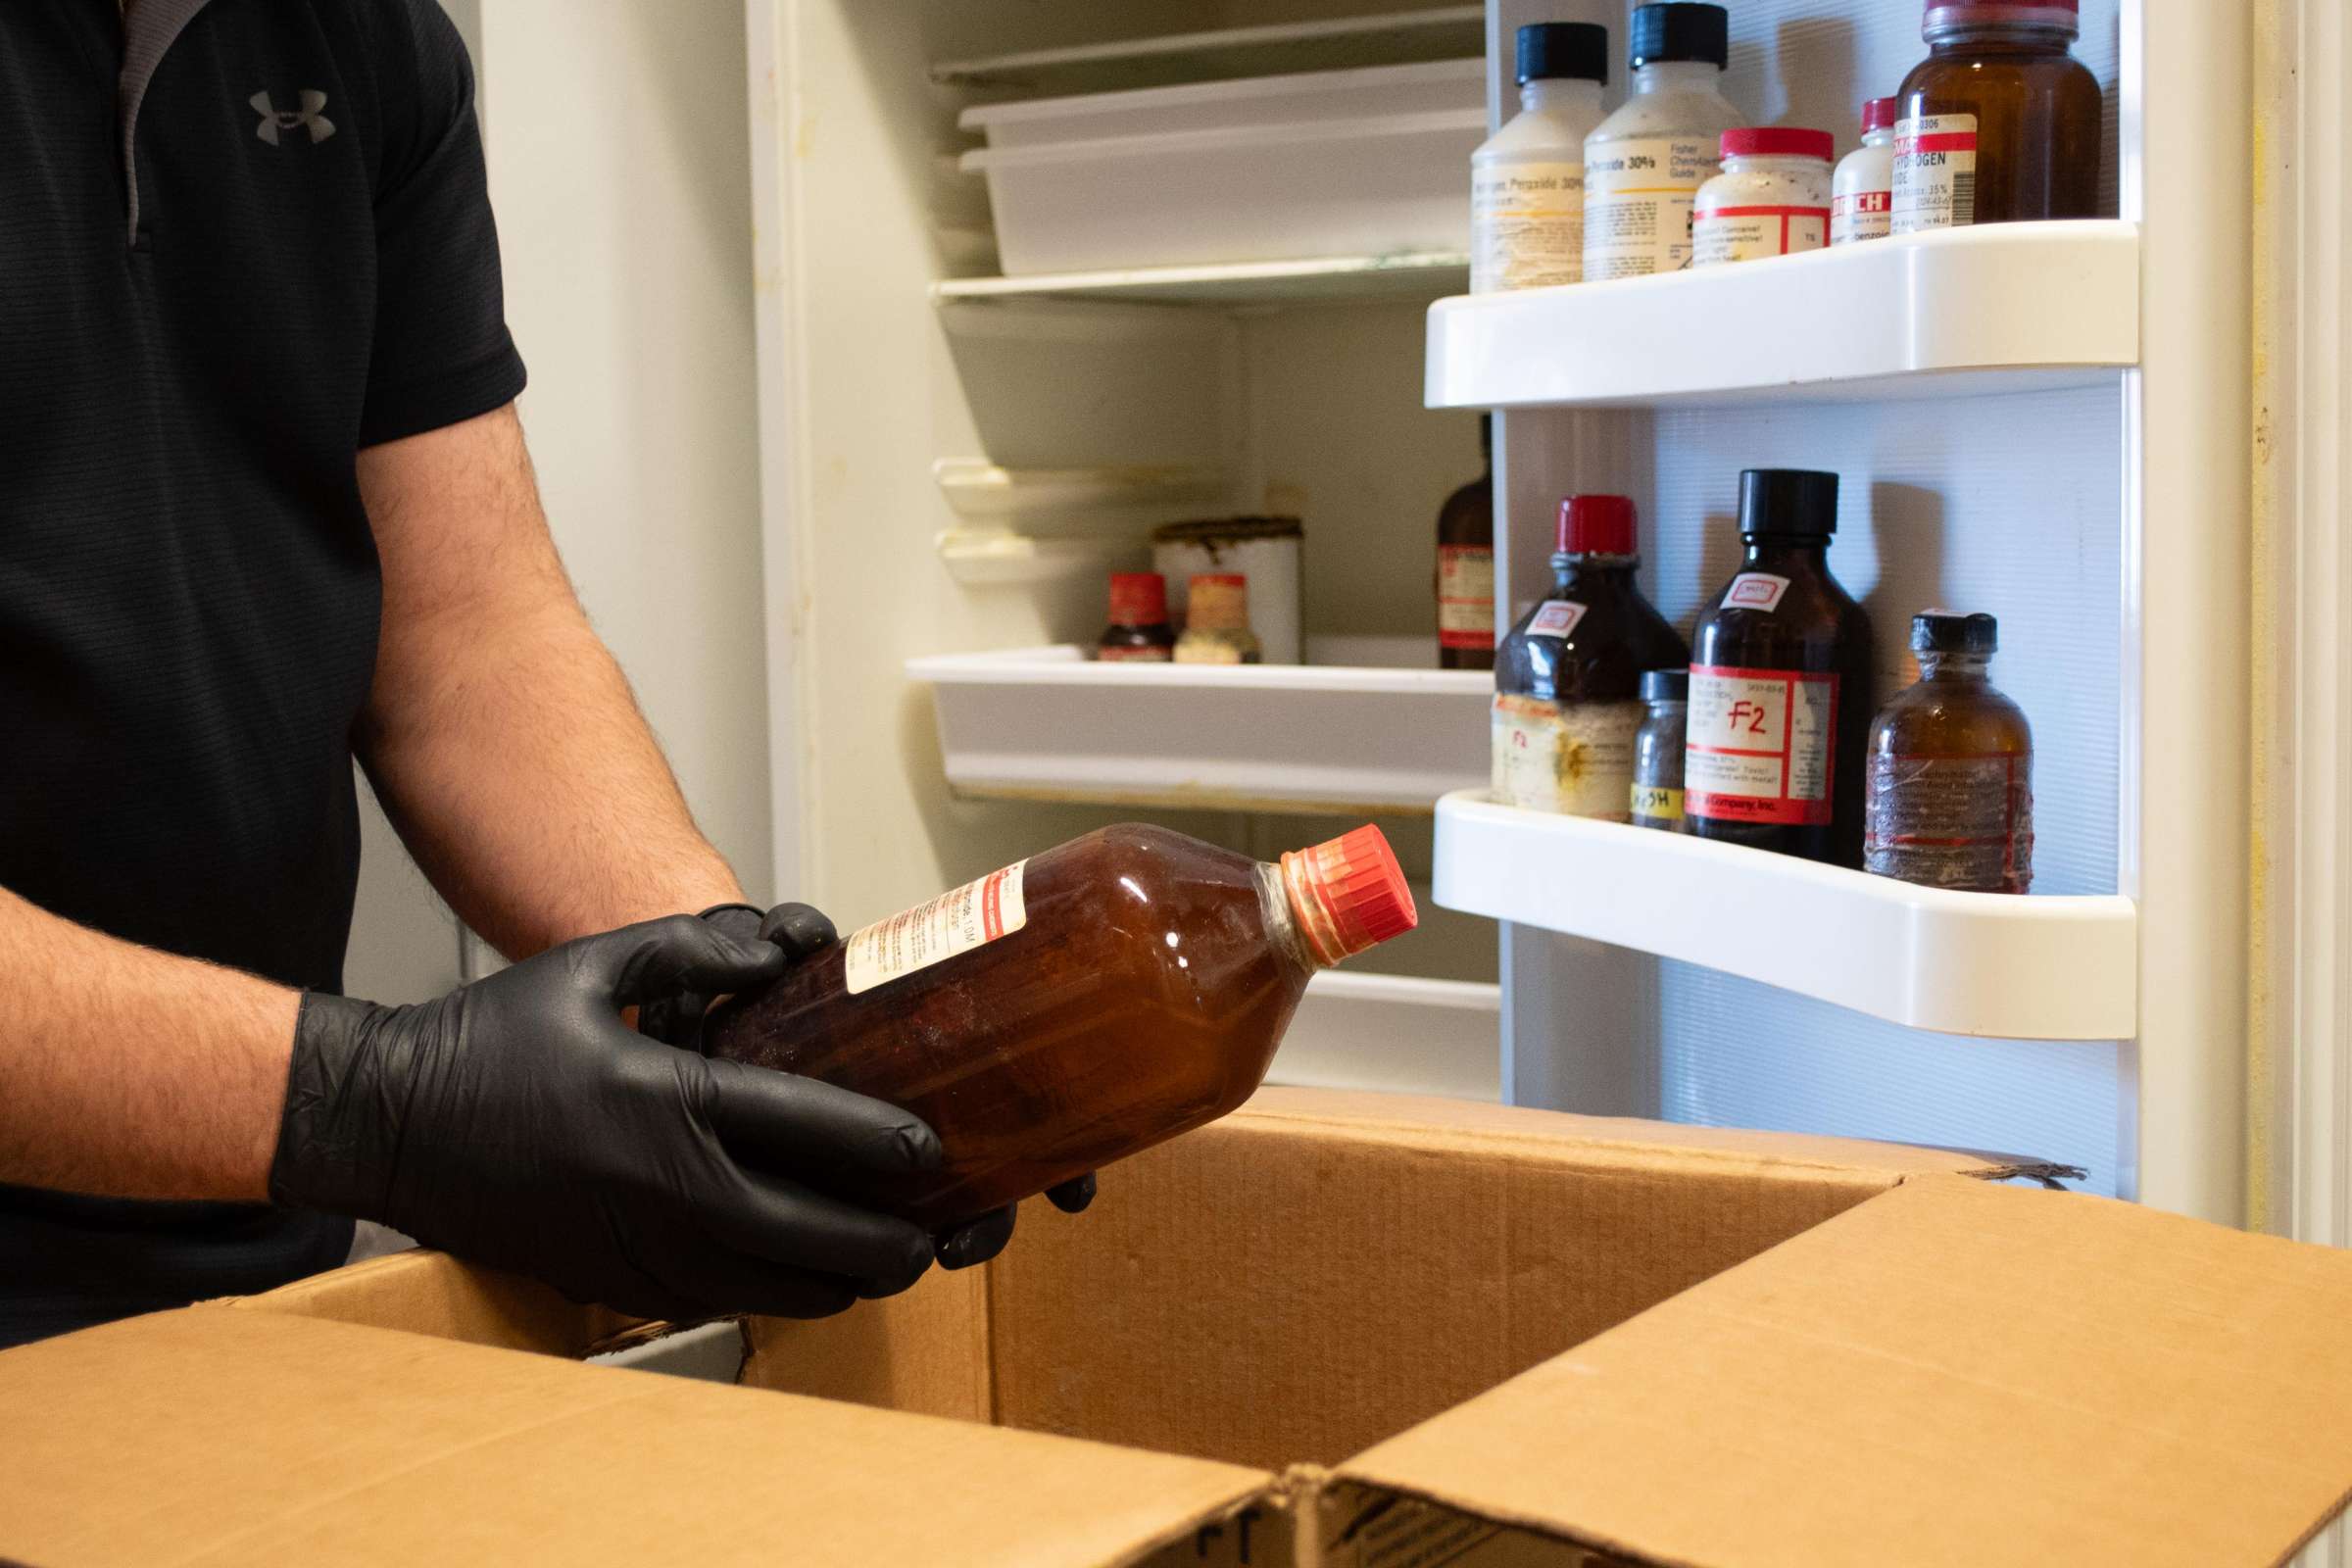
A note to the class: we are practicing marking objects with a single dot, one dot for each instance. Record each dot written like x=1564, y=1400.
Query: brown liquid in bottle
x=1465, y=583
x=2037, y=108
x=1140, y=992
x=1951, y=770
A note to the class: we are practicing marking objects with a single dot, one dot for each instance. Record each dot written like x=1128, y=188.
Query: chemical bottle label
x=1657, y=805
x=1555, y=617
x=1860, y=214
x=1760, y=745
x=1465, y=596
x=1722, y=234
x=1934, y=173
x=1755, y=590
x=972, y=916
x=1527, y=226
x=1573, y=759
x=1962, y=823
x=1638, y=194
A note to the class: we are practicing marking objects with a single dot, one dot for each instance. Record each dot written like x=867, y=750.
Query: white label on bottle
x=1720, y=234
x=1759, y=745
x=1465, y=596
x=1860, y=214
x=1755, y=590
x=1571, y=759
x=972, y=916
x=1638, y=194
x=1934, y=173
x=1555, y=617
x=1527, y=226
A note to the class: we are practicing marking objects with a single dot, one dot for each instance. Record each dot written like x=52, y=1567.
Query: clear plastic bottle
x=1772, y=198
x=1950, y=791
x=1658, y=749
x=1999, y=124
x=1074, y=1008
x=1526, y=182
x=1862, y=191
x=1643, y=165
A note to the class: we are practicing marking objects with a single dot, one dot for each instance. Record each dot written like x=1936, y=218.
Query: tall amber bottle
x=1779, y=684
x=1074, y=1008
x=1999, y=124
x=1465, y=581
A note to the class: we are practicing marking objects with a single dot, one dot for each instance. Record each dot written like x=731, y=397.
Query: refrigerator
x=2117, y=435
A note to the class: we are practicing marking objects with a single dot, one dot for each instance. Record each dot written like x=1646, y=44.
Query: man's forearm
x=500, y=733
x=134, y=1073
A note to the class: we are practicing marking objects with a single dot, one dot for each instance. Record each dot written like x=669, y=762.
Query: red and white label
x=1860, y=214
x=1465, y=596
x=1555, y=617
x=1760, y=745
x=1720, y=234
x=972, y=916
x=1934, y=173
x=1755, y=590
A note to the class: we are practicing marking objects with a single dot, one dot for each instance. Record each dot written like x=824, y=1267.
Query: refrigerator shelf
x=1231, y=285
x=1344, y=43
x=2002, y=308
x=1359, y=730
x=1967, y=963
x=1396, y=1034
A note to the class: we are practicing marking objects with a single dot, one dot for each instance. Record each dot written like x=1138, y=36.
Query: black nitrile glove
x=519, y=1122
x=800, y=931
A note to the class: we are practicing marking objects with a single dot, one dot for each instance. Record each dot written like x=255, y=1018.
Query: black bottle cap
x=1681, y=31
x=1791, y=503
x=1665, y=685
x=1948, y=631
x=1570, y=51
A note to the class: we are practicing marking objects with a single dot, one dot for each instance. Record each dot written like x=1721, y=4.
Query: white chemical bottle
x=1862, y=191
x=1643, y=165
x=1526, y=182
x=1772, y=198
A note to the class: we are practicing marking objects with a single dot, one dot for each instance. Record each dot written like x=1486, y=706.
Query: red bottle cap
x=1138, y=599
x=1880, y=114
x=1348, y=894
x=1597, y=526
x=1779, y=142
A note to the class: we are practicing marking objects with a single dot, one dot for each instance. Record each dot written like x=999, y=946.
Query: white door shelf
x=1969, y=963
x=2006, y=307
x=1051, y=723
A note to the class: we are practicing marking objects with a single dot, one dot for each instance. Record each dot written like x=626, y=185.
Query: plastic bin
x=1431, y=87
x=1393, y=184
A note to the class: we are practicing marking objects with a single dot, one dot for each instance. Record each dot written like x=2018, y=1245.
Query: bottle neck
x=1764, y=547
x=1559, y=92
x=2026, y=37
x=1569, y=569
x=1288, y=908
x=1883, y=137
x=1955, y=670
x=1676, y=76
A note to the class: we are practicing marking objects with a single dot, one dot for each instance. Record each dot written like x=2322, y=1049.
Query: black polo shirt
x=239, y=241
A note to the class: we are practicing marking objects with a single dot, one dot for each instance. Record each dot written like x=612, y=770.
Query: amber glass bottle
x=1139, y=631
x=1999, y=124
x=1074, y=1008
x=1950, y=798
x=1779, y=684
x=1467, y=567
x=1568, y=679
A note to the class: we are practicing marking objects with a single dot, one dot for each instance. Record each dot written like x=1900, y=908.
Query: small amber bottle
x=1999, y=124
x=1950, y=792
x=1467, y=567
x=1139, y=631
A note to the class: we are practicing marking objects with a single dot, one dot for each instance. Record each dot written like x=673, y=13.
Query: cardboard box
x=1329, y=1332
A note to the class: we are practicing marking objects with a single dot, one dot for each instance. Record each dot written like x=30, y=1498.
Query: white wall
x=618, y=168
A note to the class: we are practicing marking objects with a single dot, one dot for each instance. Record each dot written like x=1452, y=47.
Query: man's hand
x=799, y=931
x=519, y=1122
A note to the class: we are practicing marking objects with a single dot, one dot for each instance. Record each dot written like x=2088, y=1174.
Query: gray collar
x=149, y=28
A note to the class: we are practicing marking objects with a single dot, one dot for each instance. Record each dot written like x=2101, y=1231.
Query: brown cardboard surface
x=218, y=1436
x=432, y=1292
x=924, y=1350
x=1322, y=1270
x=1945, y=1375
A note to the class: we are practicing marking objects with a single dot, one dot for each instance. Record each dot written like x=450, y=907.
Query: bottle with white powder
x=1643, y=165
x=1527, y=183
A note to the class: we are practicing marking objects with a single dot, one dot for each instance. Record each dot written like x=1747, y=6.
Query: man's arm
x=501, y=736
x=134, y=1073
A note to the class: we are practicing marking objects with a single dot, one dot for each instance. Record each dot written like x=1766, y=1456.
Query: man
x=264, y=507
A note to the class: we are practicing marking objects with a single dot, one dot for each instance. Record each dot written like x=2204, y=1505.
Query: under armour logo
x=275, y=120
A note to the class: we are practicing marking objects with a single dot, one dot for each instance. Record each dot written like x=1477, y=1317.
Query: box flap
x=1319, y=1271
x=216, y=1435
x=1944, y=1367
x=432, y=1292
